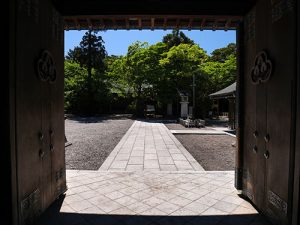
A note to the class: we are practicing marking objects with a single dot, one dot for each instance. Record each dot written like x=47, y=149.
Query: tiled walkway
x=150, y=146
x=151, y=198
x=150, y=179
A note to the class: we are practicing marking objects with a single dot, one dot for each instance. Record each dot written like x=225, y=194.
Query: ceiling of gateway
x=153, y=14
x=151, y=22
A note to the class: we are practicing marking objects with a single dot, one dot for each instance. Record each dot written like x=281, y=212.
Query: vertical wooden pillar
x=8, y=151
x=296, y=187
x=239, y=109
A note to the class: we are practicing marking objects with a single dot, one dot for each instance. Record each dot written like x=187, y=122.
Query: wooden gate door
x=270, y=73
x=39, y=108
x=281, y=92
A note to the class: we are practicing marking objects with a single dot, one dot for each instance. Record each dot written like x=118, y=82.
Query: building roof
x=228, y=92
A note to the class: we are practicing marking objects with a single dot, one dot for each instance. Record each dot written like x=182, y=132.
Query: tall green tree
x=222, y=54
x=81, y=98
x=90, y=53
x=182, y=62
x=176, y=38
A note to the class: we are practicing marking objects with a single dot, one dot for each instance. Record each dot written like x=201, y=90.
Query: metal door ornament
x=46, y=70
x=262, y=69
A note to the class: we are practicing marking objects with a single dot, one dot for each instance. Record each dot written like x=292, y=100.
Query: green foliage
x=90, y=52
x=85, y=84
x=222, y=54
x=176, y=38
x=81, y=98
x=147, y=74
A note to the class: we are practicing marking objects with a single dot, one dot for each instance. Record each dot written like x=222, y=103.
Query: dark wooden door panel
x=39, y=109
x=272, y=164
x=29, y=111
x=279, y=116
x=249, y=172
x=56, y=122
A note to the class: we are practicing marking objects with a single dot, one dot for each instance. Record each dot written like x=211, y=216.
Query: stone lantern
x=184, y=105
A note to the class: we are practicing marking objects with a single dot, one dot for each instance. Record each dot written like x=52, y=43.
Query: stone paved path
x=150, y=146
x=147, y=195
x=151, y=198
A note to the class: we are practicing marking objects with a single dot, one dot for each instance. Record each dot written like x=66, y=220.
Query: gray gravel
x=213, y=152
x=93, y=139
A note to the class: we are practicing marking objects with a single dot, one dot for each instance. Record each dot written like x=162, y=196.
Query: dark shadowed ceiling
x=153, y=14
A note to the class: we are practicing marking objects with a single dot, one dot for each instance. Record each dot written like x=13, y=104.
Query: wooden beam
x=152, y=23
x=140, y=23
x=127, y=23
x=190, y=24
x=202, y=24
x=227, y=25
x=102, y=26
x=77, y=25
x=190, y=21
x=177, y=23
x=165, y=23
x=90, y=25
x=215, y=25
x=114, y=23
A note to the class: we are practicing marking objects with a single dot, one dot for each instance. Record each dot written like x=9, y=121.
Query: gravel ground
x=213, y=152
x=93, y=139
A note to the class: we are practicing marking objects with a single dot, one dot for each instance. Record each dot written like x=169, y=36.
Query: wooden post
x=239, y=109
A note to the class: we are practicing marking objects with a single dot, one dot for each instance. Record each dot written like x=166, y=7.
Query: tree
x=176, y=38
x=181, y=63
x=78, y=99
x=90, y=55
x=222, y=54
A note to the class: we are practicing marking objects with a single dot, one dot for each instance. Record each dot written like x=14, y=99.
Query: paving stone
x=168, y=167
x=122, y=211
x=109, y=206
x=150, y=156
x=225, y=206
x=138, y=207
x=78, y=206
x=137, y=153
x=151, y=164
x=155, y=197
x=167, y=207
x=146, y=141
x=126, y=200
x=153, y=201
x=180, y=201
x=122, y=157
x=136, y=160
x=134, y=167
x=206, y=200
x=140, y=196
x=114, y=195
x=165, y=161
x=92, y=210
x=162, y=153
x=178, y=157
x=196, y=207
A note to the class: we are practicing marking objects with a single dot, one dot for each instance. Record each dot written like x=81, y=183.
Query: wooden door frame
x=296, y=186
x=238, y=182
x=11, y=210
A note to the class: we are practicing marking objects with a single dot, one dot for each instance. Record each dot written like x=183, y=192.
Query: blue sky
x=117, y=42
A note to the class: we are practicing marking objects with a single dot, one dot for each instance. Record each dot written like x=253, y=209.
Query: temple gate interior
x=267, y=101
